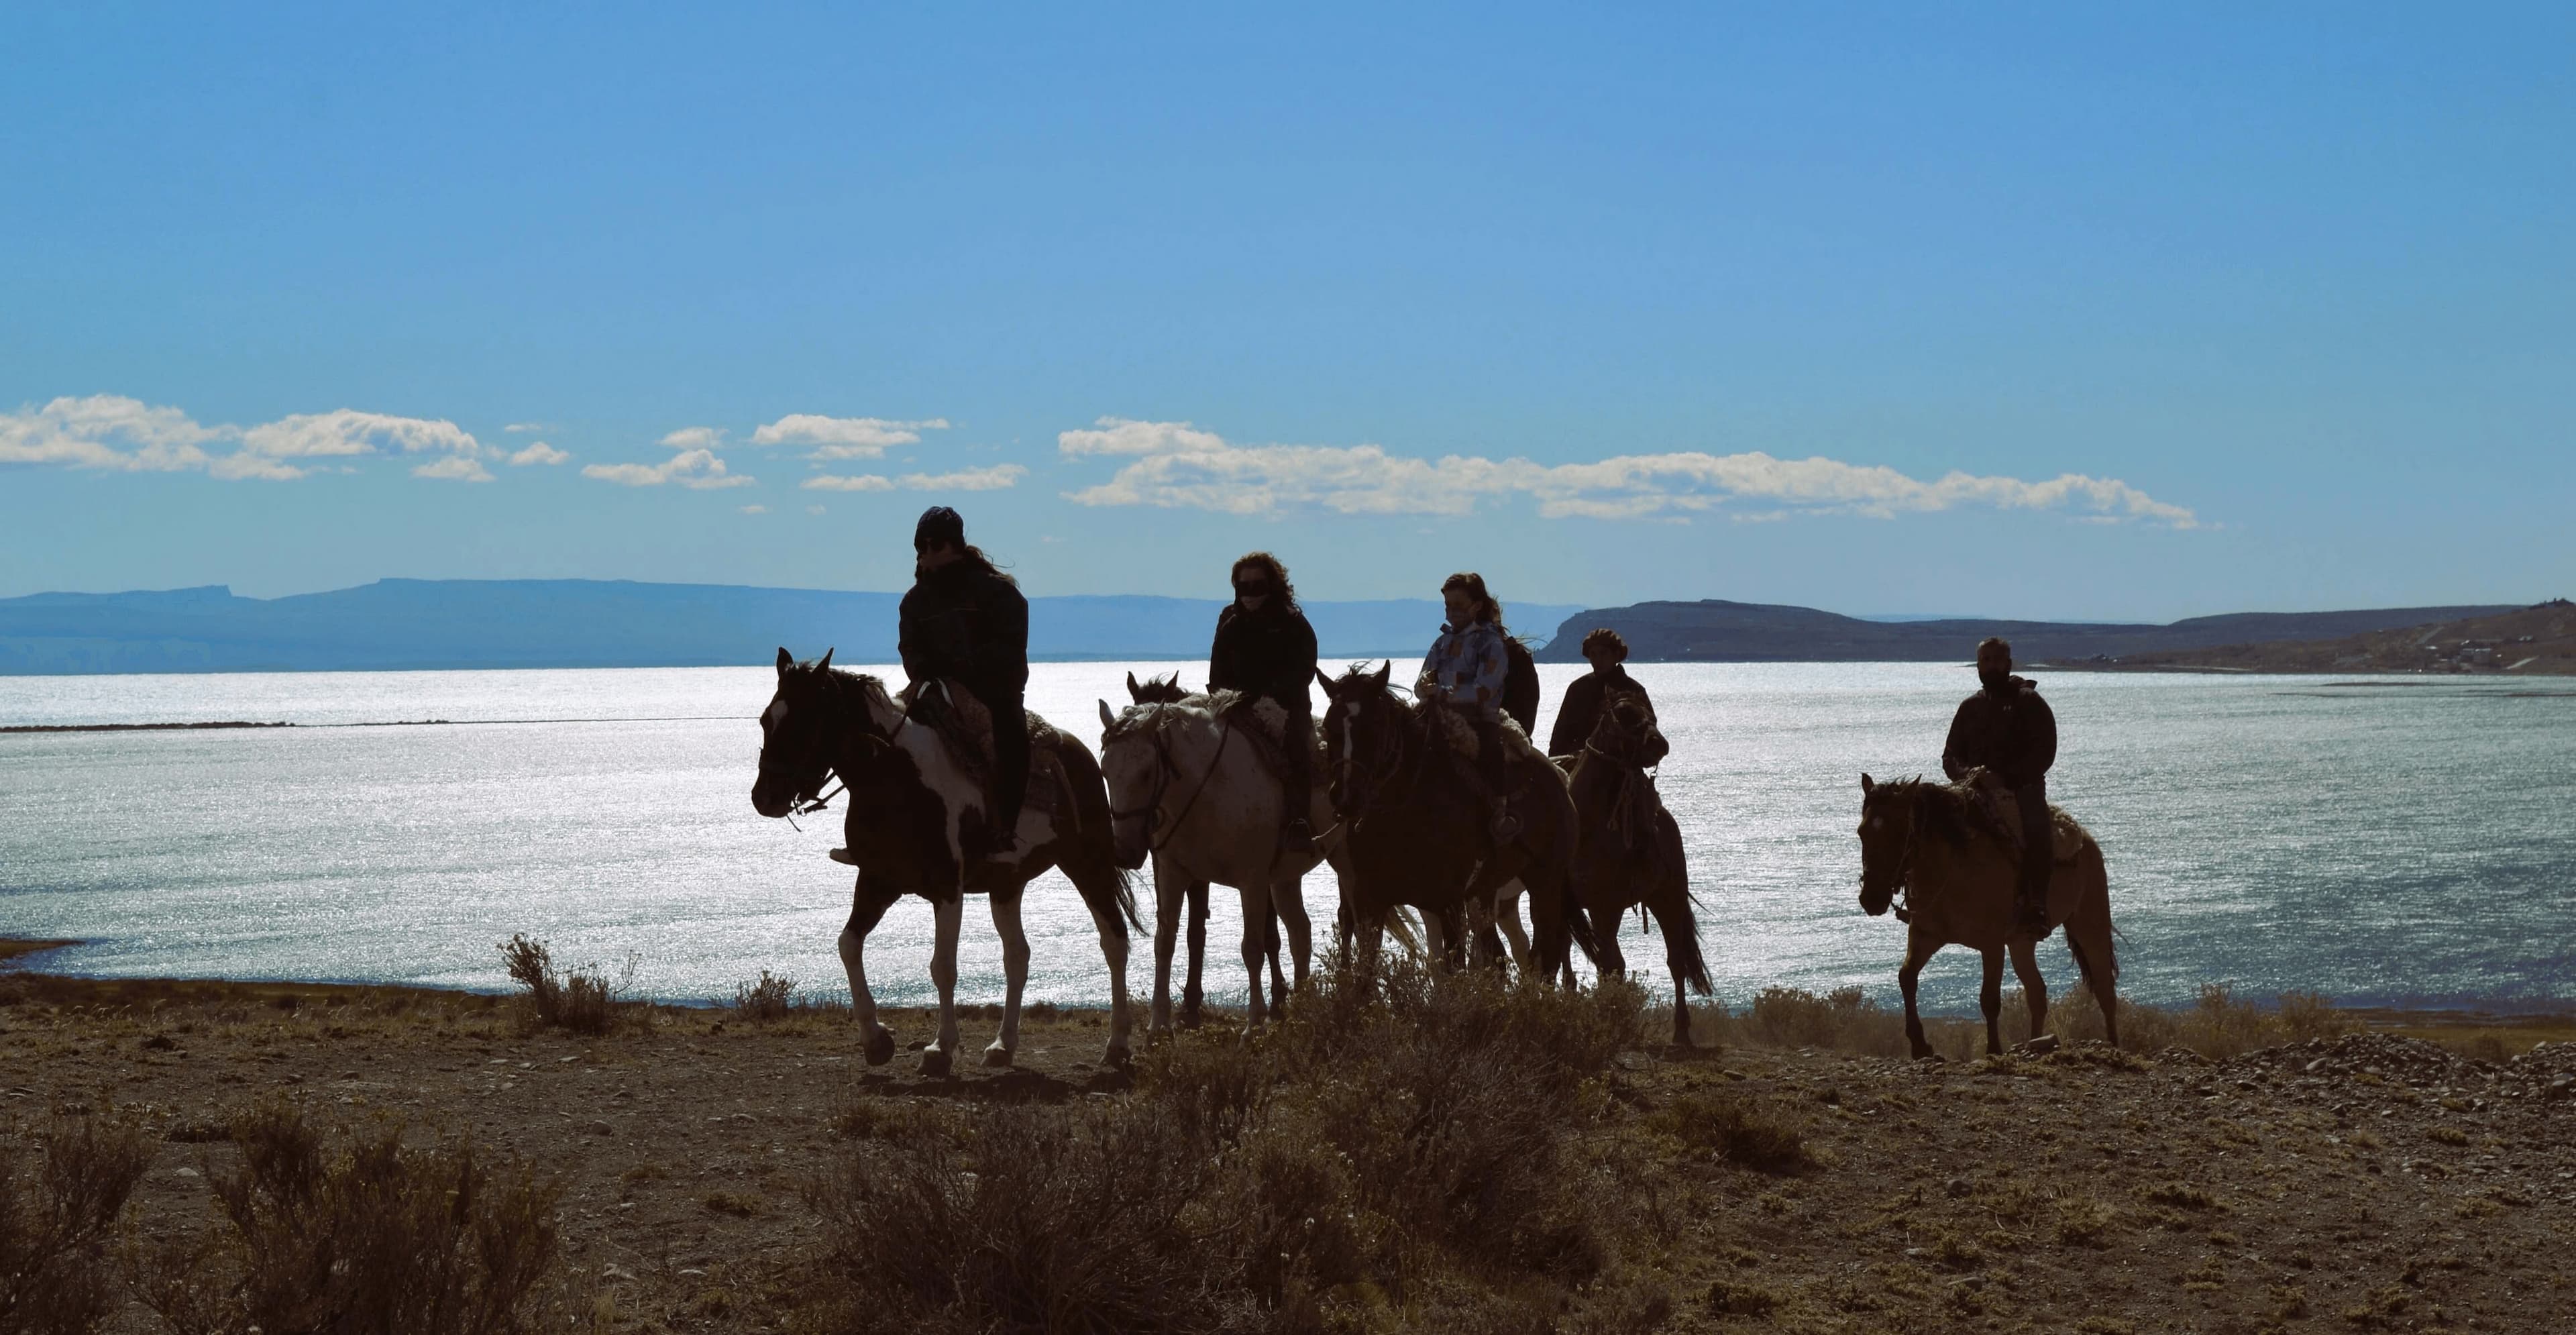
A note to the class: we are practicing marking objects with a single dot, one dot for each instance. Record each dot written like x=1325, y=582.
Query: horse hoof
x=1929, y=1058
x=934, y=1061
x=997, y=1055
x=1118, y=1057
x=880, y=1047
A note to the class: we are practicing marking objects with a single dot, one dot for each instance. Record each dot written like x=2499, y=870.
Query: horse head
x=1627, y=732
x=1887, y=835
x=1155, y=690
x=1364, y=733
x=805, y=718
x=1134, y=766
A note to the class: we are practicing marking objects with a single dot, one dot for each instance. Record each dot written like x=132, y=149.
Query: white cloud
x=754, y=509
x=696, y=438
x=1176, y=465
x=456, y=468
x=968, y=479
x=863, y=482
x=114, y=432
x=539, y=453
x=698, y=470
x=844, y=437
x=521, y=428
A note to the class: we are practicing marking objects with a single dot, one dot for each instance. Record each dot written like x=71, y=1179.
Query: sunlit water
x=2384, y=841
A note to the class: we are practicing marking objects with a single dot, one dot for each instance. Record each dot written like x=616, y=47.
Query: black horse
x=911, y=798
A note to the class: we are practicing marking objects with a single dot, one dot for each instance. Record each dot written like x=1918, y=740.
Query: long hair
x=1268, y=565
x=1474, y=584
x=972, y=555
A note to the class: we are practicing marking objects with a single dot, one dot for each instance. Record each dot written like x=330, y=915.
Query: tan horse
x=1931, y=841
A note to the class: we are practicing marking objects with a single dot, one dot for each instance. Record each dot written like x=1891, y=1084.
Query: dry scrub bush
x=1735, y=1129
x=360, y=1233
x=53, y=1239
x=1407, y=1141
x=582, y=1000
x=766, y=1000
x=2218, y=1025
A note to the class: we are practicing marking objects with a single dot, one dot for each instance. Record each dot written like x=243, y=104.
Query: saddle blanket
x=966, y=726
x=2002, y=812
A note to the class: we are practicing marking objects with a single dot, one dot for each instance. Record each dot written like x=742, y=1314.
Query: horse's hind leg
x=1288, y=898
x=868, y=904
x=1256, y=931
x=947, y=916
x=1605, y=925
x=2025, y=960
x=1015, y=975
x=1990, y=1001
x=1270, y=951
x=1113, y=953
x=1917, y=954
x=1507, y=915
x=1191, y=996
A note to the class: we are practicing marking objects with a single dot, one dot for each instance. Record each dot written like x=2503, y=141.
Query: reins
x=1164, y=772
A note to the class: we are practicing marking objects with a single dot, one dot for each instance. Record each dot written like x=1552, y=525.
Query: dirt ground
x=2367, y=1182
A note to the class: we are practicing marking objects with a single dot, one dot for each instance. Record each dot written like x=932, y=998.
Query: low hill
x=2533, y=641
x=411, y=623
x=1716, y=631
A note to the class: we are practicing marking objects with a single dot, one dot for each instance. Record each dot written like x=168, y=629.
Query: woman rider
x=965, y=621
x=1466, y=671
x=1265, y=649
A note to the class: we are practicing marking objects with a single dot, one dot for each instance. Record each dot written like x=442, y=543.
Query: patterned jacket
x=1467, y=668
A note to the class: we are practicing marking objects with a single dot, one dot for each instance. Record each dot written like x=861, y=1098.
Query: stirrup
x=1297, y=837
x=1506, y=827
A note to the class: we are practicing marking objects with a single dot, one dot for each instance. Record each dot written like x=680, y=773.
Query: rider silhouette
x=1265, y=649
x=964, y=621
x=2009, y=730
x=1586, y=696
x=1467, y=670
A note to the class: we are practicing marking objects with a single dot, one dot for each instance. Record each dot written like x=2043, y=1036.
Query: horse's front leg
x=1507, y=915
x=1015, y=975
x=1256, y=949
x=947, y=914
x=1191, y=996
x=1167, y=931
x=1990, y=1000
x=2034, y=985
x=1918, y=952
x=1288, y=898
x=868, y=904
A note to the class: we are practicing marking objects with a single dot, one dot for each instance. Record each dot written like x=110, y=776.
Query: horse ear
x=1135, y=693
x=1106, y=718
x=1383, y=669
x=786, y=660
x=1325, y=682
x=1865, y=784
x=825, y=663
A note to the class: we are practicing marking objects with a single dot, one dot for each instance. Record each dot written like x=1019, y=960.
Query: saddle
x=1995, y=805
x=966, y=726
x=1263, y=725
x=1454, y=732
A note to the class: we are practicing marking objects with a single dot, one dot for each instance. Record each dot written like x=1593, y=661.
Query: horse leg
x=1605, y=925
x=1507, y=915
x=868, y=904
x=947, y=914
x=1015, y=975
x=1167, y=930
x=1369, y=937
x=1191, y=997
x=2034, y=987
x=1270, y=950
x=1289, y=899
x=1917, y=954
x=1435, y=938
x=1990, y=1001
x=1256, y=928
x=1113, y=952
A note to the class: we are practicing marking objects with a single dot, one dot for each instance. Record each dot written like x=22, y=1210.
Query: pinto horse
x=911, y=799
x=1958, y=873
x=1416, y=834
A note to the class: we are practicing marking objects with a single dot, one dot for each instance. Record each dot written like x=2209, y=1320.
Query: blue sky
x=2206, y=308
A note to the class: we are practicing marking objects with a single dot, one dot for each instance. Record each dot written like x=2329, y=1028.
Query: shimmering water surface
x=2382, y=840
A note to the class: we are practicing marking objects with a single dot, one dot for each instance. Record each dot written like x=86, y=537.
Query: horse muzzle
x=1875, y=902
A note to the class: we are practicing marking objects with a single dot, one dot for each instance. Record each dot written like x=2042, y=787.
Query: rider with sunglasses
x=1265, y=649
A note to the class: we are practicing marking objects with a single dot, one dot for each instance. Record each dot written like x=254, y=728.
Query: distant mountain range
x=1714, y=631
x=2530, y=642
x=409, y=623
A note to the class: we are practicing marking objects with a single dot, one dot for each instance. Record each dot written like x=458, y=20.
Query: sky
x=2102, y=312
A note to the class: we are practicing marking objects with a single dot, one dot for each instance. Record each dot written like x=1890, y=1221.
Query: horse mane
x=1944, y=809
x=1152, y=717
x=1163, y=690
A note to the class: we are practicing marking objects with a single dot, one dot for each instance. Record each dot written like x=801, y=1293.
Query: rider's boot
x=1298, y=838
x=1493, y=773
x=845, y=857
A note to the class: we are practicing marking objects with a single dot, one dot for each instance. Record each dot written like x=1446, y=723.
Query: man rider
x=1585, y=697
x=1265, y=649
x=2008, y=729
x=1465, y=671
x=965, y=621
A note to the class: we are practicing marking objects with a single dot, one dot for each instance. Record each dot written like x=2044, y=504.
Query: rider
x=1265, y=649
x=1606, y=650
x=2008, y=729
x=965, y=621
x=1465, y=671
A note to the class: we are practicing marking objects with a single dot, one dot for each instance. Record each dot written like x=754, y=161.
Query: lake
x=2382, y=840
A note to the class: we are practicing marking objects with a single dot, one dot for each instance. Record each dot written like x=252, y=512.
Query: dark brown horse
x=911, y=798
x=1630, y=854
x=1957, y=870
x=1418, y=832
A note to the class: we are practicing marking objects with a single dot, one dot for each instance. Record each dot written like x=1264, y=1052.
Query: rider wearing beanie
x=965, y=621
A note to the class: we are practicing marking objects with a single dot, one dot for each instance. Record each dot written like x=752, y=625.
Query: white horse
x=1188, y=790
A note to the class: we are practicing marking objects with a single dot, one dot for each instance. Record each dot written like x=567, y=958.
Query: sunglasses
x=1252, y=586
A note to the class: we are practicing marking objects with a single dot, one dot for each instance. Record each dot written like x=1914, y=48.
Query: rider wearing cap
x=2010, y=731
x=1587, y=695
x=964, y=621
x=1265, y=649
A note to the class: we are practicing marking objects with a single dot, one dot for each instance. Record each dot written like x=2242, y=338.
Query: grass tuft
x=768, y=999
x=581, y=1000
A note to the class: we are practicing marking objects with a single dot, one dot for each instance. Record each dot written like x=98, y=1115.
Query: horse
x=911, y=799
x=1958, y=871
x=1630, y=852
x=1189, y=789
x=1416, y=835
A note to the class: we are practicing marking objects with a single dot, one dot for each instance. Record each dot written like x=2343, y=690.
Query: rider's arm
x=2038, y=740
x=1574, y=716
x=1006, y=628
x=1222, y=674
x=1492, y=667
x=1955, y=759
x=1295, y=677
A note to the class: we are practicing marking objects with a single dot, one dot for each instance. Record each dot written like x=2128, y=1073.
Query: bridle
x=1166, y=770
x=1901, y=895
x=809, y=798
x=1359, y=799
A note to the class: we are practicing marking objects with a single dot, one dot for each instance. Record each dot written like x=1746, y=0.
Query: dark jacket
x=2013, y=733
x=971, y=625
x=1269, y=653
x=1520, y=685
x=1581, y=712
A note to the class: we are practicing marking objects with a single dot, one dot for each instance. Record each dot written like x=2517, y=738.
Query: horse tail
x=1681, y=928
x=1105, y=886
x=2089, y=934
